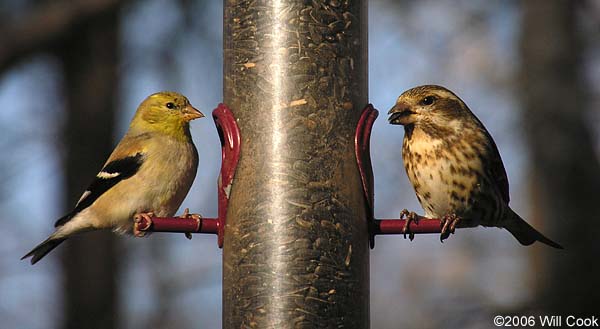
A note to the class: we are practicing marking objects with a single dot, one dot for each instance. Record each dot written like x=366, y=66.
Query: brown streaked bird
x=454, y=165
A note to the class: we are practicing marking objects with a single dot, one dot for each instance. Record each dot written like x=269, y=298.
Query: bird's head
x=168, y=106
x=429, y=106
x=166, y=111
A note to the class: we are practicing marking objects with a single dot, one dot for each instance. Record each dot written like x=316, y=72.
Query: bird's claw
x=138, y=230
x=448, y=224
x=410, y=216
x=186, y=214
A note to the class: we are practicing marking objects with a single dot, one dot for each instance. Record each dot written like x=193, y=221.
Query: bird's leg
x=410, y=216
x=448, y=224
x=137, y=220
x=186, y=214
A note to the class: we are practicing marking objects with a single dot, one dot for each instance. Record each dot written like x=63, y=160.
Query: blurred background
x=73, y=72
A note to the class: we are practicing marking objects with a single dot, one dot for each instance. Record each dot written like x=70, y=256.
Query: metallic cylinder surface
x=296, y=238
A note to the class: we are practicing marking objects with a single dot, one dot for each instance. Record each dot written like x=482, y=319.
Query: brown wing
x=495, y=167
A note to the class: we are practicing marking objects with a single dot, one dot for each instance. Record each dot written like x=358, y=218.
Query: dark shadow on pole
x=296, y=238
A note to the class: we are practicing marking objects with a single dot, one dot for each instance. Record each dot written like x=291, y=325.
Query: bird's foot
x=137, y=221
x=186, y=214
x=448, y=224
x=410, y=216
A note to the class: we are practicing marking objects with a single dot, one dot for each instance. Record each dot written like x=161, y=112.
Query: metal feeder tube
x=296, y=239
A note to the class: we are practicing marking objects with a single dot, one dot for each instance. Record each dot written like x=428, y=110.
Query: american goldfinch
x=149, y=173
x=454, y=164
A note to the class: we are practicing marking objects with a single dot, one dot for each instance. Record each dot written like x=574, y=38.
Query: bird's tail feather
x=525, y=233
x=43, y=249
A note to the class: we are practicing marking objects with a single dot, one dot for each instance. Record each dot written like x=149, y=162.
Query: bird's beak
x=400, y=113
x=190, y=113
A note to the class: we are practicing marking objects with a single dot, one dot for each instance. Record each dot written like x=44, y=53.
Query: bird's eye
x=170, y=105
x=428, y=100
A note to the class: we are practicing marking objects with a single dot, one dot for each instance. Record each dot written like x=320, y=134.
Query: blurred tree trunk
x=91, y=268
x=565, y=168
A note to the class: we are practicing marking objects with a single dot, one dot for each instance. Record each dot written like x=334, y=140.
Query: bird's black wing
x=112, y=173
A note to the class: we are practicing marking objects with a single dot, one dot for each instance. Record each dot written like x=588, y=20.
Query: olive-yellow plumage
x=150, y=170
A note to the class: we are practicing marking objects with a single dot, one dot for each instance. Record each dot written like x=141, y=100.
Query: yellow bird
x=149, y=173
